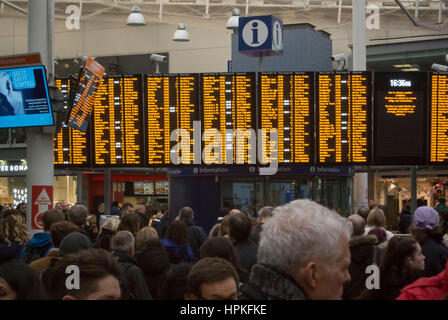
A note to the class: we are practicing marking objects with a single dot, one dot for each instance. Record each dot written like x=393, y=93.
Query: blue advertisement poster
x=24, y=99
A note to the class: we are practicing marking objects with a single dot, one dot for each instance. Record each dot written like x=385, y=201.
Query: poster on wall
x=42, y=200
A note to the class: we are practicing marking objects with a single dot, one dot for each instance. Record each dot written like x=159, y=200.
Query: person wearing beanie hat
x=72, y=243
x=426, y=230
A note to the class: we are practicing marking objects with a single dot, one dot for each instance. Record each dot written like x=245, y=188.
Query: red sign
x=20, y=59
x=42, y=200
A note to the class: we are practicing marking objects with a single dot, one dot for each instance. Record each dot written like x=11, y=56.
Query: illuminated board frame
x=369, y=94
x=430, y=112
x=253, y=112
x=312, y=115
x=404, y=160
x=197, y=116
x=142, y=129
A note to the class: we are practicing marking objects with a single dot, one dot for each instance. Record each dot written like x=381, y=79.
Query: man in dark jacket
x=240, y=227
x=303, y=254
x=364, y=252
x=133, y=283
x=264, y=215
x=40, y=244
x=405, y=218
x=196, y=235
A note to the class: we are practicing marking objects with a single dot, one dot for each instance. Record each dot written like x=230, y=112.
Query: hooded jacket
x=155, y=263
x=434, y=288
x=362, y=250
x=38, y=247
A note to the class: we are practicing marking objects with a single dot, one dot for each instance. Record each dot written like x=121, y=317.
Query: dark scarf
x=276, y=283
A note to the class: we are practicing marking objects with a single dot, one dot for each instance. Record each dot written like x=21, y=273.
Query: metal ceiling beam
x=16, y=7
x=433, y=5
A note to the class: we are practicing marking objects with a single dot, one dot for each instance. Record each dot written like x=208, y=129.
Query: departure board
x=171, y=103
x=71, y=146
x=400, y=118
x=287, y=104
x=118, y=122
x=89, y=78
x=439, y=118
x=343, y=118
x=228, y=118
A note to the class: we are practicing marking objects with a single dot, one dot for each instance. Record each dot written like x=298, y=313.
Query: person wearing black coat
x=155, y=264
x=405, y=219
x=240, y=228
x=132, y=283
x=427, y=232
x=196, y=235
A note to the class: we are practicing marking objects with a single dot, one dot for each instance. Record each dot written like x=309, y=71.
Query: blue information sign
x=260, y=35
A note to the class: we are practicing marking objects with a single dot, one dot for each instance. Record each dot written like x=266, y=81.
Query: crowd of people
x=298, y=251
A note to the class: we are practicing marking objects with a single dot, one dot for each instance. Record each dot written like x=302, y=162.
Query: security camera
x=338, y=57
x=439, y=67
x=158, y=58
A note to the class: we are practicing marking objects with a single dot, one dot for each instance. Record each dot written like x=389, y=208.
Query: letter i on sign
x=254, y=33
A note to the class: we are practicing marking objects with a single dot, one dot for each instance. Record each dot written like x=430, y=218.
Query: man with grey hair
x=78, y=215
x=133, y=284
x=303, y=254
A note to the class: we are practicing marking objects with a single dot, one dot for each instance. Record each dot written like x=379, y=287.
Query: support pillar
x=39, y=141
x=360, y=181
x=107, y=187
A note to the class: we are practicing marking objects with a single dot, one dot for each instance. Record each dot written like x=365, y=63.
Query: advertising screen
x=24, y=99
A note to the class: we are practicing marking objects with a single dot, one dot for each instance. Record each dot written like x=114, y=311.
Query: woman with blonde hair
x=377, y=219
x=13, y=237
x=143, y=236
x=106, y=233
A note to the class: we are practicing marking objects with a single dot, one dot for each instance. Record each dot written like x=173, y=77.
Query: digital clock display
x=400, y=83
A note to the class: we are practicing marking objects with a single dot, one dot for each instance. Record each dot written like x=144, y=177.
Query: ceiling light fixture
x=181, y=35
x=136, y=18
x=233, y=21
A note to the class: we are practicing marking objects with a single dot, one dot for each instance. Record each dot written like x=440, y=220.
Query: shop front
x=393, y=190
x=13, y=184
x=148, y=189
x=207, y=190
